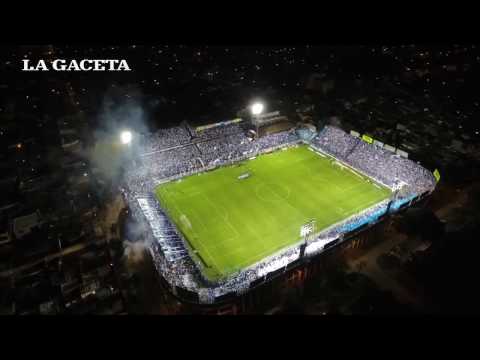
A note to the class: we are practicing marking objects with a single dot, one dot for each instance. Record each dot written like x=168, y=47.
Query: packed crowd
x=218, y=146
x=221, y=149
x=166, y=138
x=278, y=262
x=164, y=232
x=226, y=144
x=211, y=147
x=382, y=165
x=335, y=142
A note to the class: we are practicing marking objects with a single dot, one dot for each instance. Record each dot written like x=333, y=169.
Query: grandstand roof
x=269, y=118
x=216, y=146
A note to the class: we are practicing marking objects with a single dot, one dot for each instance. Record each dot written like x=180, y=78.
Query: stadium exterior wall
x=348, y=231
x=191, y=297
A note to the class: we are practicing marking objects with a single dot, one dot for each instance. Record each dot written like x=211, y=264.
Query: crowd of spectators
x=166, y=138
x=335, y=141
x=217, y=146
x=382, y=165
x=199, y=151
x=166, y=247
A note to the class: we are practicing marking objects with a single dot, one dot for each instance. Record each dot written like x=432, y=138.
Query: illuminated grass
x=234, y=223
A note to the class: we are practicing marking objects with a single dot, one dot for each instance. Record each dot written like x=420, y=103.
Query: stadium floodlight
x=257, y=108
x=126, y=137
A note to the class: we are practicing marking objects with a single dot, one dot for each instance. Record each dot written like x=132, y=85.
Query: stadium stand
x=180, y=151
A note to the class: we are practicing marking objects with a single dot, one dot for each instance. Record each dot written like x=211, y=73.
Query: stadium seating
x=180, y=151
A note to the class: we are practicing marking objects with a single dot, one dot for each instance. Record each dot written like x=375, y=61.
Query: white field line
x=316, y=235
x=226, y=163
x=353, y=169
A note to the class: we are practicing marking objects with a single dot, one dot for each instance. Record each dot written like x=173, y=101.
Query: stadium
x=227, y=213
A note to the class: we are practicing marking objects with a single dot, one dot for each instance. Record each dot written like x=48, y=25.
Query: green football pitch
x=232, y=223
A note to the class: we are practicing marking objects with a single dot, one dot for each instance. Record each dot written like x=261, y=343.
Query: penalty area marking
x=343, y=167
x=196, y=238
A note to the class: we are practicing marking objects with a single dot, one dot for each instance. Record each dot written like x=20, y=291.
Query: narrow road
x=67, y=251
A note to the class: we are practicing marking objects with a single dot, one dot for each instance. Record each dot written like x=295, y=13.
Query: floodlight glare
x=257, y=108
x=126, y=137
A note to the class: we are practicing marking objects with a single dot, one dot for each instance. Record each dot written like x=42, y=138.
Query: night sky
x=422, y=99
x=211, y=83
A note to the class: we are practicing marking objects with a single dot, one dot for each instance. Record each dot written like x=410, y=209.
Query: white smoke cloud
x=122, y=109
x=134, y=253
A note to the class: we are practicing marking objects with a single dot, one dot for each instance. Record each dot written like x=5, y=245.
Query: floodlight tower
x=307, y=231
x=126, y=137
x=257, y=109
x=396, y=189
